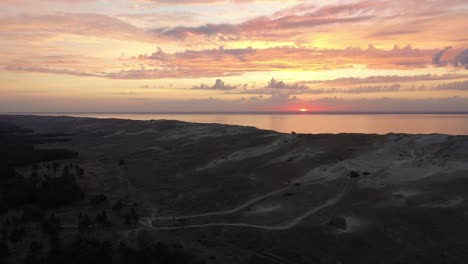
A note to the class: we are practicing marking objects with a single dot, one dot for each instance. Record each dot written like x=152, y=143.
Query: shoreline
x=116, y=117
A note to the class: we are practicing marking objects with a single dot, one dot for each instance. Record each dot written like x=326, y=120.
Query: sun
x=303, y=110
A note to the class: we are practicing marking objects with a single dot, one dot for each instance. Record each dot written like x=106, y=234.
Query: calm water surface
x=455, y=124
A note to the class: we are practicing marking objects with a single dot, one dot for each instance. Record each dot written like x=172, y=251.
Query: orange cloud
x=24, y=27
x=380, y=20
x=230, y=62
x=387, y=79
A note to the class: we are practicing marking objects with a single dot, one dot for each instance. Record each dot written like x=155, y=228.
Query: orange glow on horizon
x=303, y=110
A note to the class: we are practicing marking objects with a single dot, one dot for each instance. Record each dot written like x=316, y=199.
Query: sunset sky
x=233, y=55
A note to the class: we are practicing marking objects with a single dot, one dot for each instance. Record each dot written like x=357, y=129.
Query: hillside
x=231, y=194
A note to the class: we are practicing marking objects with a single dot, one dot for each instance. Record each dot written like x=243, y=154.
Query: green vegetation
x=31, y=231
x=16, y=148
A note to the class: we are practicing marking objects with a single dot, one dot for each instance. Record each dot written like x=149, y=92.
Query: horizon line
x=248, y=112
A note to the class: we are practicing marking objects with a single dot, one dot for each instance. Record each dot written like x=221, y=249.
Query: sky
x=233, y=55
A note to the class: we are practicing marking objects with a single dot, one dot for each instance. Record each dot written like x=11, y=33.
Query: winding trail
x=240, y=207
x=147, y=221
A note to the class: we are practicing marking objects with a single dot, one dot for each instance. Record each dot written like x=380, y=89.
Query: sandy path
x=242, y=206
x=147, y=222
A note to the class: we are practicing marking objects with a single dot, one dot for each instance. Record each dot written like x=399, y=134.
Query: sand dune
x=259, y=187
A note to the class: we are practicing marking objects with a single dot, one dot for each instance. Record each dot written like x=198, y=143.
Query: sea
x=314, y=123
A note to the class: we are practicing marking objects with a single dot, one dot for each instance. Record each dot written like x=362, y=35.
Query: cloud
x=280, y=88
x=387, y=79
x=372, y=89
x=274, y=84
x=298, y=24
x=158, y=19
x=184, y=2
x=219, y=85
x=230, y=62
x=201, y=2
x=24, y=27
x=73, y=2
x=454, y=86
x=263, y=27
x=284, y=24
x=234, y=62
x=291, y=23
x=50, y=70
x=275, y=88
x=307, y=90
x=394, y=33
x=437, y=57
x=299, y=9
x=68, y=64
x=461, y=60
x=21, y=30
x=284, y=89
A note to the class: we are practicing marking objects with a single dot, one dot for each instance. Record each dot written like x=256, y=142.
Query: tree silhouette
x=66, y=171
x=17, y=234
x=4, y=250
x=128, y=218
x=55, y=166
x=99, y=200
x=117, y=207
x=51, y=225
x=101, y=219
x=34, y=255
x=84, y=223
x=134, y=215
